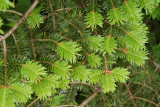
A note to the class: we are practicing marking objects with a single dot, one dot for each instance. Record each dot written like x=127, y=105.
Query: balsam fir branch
x=79, y=45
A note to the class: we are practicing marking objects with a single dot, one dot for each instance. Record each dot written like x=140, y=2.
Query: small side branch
x=33, y=102
x=89, y=98
x=33, y=48
x=147, y=101
x=130, y=94
x=11, y=11
x=16, y=43
x=53, y=18
x=5, y=59
x=20, y=21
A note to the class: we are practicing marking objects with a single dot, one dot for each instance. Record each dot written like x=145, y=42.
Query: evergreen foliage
x=65, y=48
x=94, y=60
x=109, y=45
x=4, y=4
x=93, y=19
x=68, y=50
x=94, y=42
x=33, y=71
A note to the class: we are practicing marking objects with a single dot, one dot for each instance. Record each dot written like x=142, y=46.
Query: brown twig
x=146, y=100
x=155, y=64
x=105, y=60
x=11, y=11
x=110, y=31
x=144, y=85
x=5, y=59
x=85, y=84
x=16, y=43
x=33, y=102
x=65, y=106
x=20, y=21
x=45, y=40
x=53, y=18
x=63, y=9
x=130, y=94
x=69, y=96
x=104, y=101
x=33, y=48
x=93, y=5
x=89, y=98
x=112, y=3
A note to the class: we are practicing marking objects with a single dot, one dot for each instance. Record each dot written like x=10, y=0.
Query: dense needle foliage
x=79, y=53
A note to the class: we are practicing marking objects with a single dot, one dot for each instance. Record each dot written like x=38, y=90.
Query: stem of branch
x=130, y=94
x=89, y=98
x=146, y=100
x=20, y=21
x=16, y=43
x=105, y=60
x=53, y=19
x=33, y=102
x=5, y=59
x=11, y=11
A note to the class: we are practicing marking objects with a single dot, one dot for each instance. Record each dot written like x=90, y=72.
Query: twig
x=85, y=84
x=16, y=43
x=33, y=48
x=5, y=59
x=146, y=100
x=33, y=102
x=112, y=3
x=20, y=21
x=158, y=66
x=105, y=60
x=70, y=24
x=124, y=102
x=89, y=98
x=11, y=11
x=130, y=94
x=69, y=96
x=111, y=31
x=47, y=101
x=155, y=64
x=63, y=9
x=45, y=40
x=155, y=93
x=93, y=5
x=65, y=106
x=53, y=19
x=104, y=101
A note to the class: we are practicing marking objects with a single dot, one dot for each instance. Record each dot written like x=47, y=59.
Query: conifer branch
x=89, y=98
x=69, y=22
x=157, y=105
x=53, y=18
x=112, y=4
x=16, y=43
x=93, y=5
x=105, y=61
x=103, y=98
x=45, y=40
x=33, y=102
x=130, y=94
x=12, y=11
x=33, y=48
x=5, y=59
x=87, y=84
x=65, y=106
x=20, y=21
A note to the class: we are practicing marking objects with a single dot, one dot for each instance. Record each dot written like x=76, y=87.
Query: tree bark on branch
x=20, y=21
